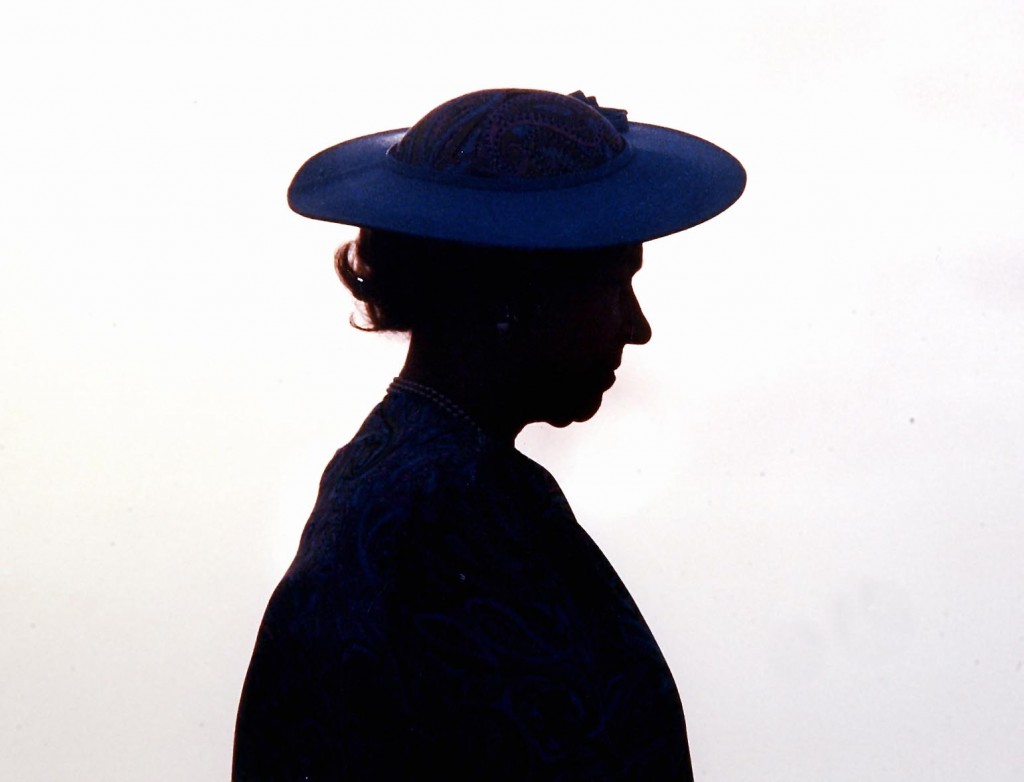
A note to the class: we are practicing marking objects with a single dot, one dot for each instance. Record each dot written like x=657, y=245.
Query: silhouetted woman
x=445, y=616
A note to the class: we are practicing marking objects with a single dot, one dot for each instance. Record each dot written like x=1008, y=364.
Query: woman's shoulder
x=413, y=490
x=412, y=450
x=404, y=436
x=411, y=468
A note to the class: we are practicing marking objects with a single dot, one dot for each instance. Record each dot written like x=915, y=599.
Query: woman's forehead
x=579, y=270
x=629, y=256
x=635, y=256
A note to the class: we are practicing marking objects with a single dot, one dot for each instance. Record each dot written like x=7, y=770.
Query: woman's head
x=549, y=325
x=503, y=230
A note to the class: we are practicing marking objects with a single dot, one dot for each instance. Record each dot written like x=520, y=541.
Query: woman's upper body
x=446, y=615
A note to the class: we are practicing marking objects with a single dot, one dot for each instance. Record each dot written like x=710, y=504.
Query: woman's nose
x=639, y=328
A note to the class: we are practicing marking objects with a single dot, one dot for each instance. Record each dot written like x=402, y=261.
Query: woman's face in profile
x=576, y=336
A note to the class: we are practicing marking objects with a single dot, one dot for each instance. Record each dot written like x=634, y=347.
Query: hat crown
x=524, y=135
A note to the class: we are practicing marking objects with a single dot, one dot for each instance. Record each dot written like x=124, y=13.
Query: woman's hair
x=409, y=283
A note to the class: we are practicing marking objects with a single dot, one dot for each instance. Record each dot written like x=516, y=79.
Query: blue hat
x=522, y=169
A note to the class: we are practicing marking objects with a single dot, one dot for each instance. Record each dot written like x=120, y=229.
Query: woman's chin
x=577, y=413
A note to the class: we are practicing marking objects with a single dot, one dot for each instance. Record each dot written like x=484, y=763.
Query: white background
x=811, y=479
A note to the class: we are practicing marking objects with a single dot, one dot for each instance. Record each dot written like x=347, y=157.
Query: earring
x=506, y=321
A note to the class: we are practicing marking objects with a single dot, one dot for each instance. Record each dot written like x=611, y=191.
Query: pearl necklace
x=446, y=404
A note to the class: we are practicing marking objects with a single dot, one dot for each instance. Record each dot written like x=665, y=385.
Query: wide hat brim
x=670, y=181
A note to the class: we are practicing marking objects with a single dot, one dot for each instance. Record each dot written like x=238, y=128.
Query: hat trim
x=510, y=184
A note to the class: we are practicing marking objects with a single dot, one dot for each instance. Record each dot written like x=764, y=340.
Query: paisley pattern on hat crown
x=519, y=134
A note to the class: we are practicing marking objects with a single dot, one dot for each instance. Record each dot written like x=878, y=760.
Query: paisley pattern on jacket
x=446, y=615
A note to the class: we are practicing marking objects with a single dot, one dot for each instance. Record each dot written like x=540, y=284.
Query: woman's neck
x=473, y=376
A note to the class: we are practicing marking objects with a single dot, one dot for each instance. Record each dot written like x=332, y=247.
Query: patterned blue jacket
x=446, y=617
